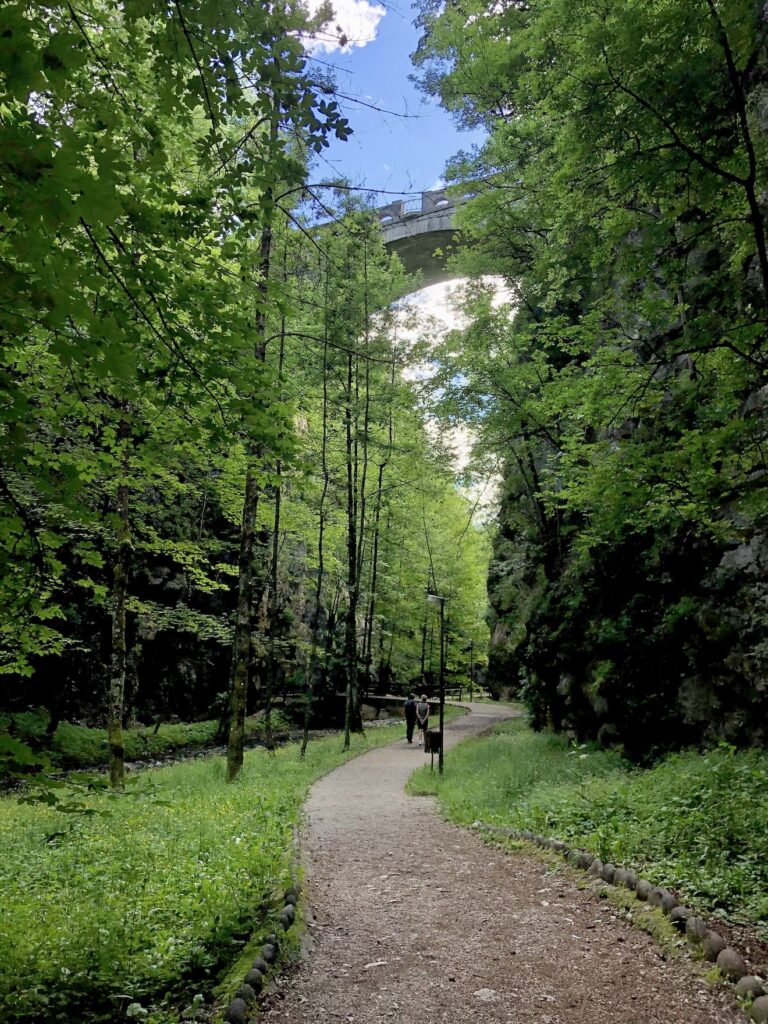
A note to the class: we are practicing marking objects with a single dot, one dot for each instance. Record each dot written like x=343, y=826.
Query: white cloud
x=355, y=21
x=438, y=302
x=442, y=303
x=503, y=296
x=438, y=309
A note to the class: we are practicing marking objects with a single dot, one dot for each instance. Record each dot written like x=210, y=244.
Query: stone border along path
x=414, y=920
x=714, y=948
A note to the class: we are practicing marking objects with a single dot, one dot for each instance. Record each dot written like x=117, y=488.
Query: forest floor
x=414, y=920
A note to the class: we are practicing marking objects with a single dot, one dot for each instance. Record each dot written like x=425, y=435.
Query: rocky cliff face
x=657, y=644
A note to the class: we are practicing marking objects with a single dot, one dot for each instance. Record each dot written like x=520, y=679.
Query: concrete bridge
x=414, y=228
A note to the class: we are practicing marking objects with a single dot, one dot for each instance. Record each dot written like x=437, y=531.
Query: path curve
x=416, y=921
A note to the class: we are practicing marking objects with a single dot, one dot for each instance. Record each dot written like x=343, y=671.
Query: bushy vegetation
x=80, y=746
x=616, y=190
x=116, y=904
x=697, y=822
x=215, y=478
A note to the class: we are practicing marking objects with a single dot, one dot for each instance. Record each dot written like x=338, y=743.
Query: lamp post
x=438, y=599
x=471, y=669
x=470, y=649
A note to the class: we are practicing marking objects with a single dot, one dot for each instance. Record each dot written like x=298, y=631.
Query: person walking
x=422, y=716
x=409, y=710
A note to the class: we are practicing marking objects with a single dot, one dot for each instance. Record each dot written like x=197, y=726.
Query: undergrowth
x=696, y=822
x=79, y=746
x=154, y=892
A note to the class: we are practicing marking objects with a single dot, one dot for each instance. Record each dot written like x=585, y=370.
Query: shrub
x=79, y=746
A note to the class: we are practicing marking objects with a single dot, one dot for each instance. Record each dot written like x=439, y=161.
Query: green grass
x=79, y=746
x=114, y=907
x=696, y=822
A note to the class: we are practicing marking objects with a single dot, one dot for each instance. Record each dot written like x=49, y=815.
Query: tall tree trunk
x=310, y=681
x=368, y=639
x=241, y=656
x=246, y=599
x=385, y=622
x=271, y=672
x=275, y=573
x=423, y=649
x=364, y=475
x=116, y=698
x=350, y=635
x=366, y=416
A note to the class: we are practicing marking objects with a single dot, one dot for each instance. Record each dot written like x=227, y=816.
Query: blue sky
x=386, y=151
x=395, y=153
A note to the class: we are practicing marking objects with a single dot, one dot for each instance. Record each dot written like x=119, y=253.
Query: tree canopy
x=208, y=444
x=619, y=194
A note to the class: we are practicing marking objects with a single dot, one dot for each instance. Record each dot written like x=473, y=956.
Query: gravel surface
x=416, y=921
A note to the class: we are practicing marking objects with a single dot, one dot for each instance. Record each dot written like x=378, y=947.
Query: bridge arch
x=414, y=228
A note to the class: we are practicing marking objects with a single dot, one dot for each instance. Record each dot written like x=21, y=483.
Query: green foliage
x=519, y=762
x=136, y=175
x=186, y=471
x=695, y=822
x=80, y=746
x=104, y=912
x=623, y=382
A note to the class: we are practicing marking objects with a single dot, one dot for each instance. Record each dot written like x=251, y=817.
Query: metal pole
x=432, y=654
x=442, y=686
x=471, y=668
x=423, y=651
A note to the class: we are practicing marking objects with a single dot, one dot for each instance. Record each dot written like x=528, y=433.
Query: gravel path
x=416, y=921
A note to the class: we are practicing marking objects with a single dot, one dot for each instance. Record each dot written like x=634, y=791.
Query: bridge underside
x=417, y=252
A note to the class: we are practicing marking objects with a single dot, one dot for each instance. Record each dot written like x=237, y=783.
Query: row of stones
x=239, y=1010
x=713, y=945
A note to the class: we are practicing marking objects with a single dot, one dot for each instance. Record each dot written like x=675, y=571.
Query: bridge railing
x=427, y=202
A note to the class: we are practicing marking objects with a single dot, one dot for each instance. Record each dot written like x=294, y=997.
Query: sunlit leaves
x=136, y=165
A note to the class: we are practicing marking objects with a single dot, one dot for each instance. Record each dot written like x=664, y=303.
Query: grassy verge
x=79, y=746
x=696, y=822
x=152, y=892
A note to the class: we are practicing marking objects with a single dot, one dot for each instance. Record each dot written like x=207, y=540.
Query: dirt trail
x=416, y=921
